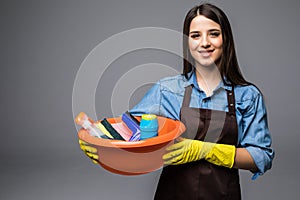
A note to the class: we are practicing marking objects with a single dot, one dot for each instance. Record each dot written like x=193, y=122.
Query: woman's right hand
x=90, y=151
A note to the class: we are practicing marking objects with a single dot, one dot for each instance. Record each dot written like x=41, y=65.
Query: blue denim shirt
x=166, y=96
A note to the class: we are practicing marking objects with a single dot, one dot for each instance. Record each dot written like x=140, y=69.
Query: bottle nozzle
x=82, y=119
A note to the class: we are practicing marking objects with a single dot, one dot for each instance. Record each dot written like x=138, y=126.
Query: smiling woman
x=225, y=115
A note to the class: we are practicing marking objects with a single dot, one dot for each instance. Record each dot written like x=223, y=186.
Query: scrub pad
x=123, y=130
x=133, y=125
x=111, y=130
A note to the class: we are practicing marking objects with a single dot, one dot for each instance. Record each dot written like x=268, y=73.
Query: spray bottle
x=83, y=120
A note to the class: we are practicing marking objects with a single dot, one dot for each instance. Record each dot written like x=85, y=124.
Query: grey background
x=43, y=44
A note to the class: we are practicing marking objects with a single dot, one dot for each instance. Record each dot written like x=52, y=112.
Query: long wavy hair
x=228, y=64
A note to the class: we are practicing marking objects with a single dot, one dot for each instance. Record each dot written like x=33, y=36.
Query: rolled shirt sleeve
x=256, y=136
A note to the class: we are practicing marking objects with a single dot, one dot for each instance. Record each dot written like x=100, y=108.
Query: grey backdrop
x=43, y=44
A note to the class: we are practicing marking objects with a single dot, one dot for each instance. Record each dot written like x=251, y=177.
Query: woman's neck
x=208, y=78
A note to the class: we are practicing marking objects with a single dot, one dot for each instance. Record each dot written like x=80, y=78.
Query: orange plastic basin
x=134, y=158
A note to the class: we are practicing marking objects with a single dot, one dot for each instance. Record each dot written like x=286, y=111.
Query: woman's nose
x=205, y=42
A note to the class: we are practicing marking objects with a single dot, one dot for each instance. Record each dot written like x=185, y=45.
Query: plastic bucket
x=134, y=158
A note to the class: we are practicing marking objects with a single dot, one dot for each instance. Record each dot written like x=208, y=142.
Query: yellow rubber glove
x=91, y=152
x=221, y=154
x=187, y=150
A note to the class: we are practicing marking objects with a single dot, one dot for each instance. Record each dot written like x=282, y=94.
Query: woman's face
x=205, y=41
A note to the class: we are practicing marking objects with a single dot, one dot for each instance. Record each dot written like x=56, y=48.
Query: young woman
x=224, y=115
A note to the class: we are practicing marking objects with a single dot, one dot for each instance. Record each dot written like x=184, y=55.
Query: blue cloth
x=166, y=96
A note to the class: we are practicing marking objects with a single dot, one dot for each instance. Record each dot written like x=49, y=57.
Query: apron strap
x=187, y=96
x=231, y=101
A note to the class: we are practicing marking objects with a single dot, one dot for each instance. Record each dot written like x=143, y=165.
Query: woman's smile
x=206, y=53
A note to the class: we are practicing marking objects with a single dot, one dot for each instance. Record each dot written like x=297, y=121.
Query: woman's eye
x=195, y=35
x=215, y=34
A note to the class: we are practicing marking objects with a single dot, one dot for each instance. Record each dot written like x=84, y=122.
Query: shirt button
x=230, y=93
x=205, y=100
x=231, y=104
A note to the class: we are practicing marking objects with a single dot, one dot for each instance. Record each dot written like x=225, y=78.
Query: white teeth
x=205, y=53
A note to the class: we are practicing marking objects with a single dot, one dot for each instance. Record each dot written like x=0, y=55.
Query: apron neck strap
x=187, y=96
x=231, y=101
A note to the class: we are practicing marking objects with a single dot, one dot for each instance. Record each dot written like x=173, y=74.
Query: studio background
x=43, y=44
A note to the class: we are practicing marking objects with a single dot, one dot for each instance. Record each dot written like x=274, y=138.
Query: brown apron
x=201, y=179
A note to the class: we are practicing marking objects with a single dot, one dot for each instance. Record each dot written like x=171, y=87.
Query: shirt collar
x=193, y=81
